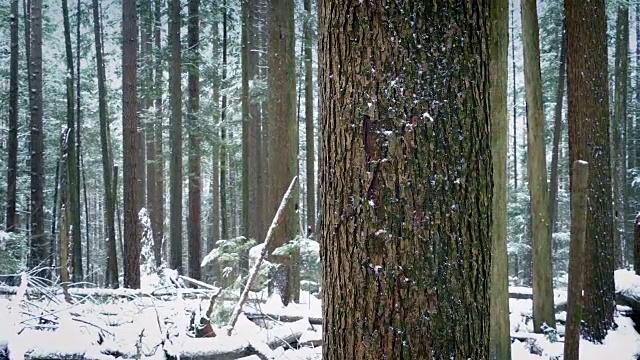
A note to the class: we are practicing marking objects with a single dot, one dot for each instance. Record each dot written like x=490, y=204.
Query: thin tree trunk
x=73, y=185
x=111, y=278
x=580, y=173
x=618, y=163
x=195, y=198
x=309, y=125
x=515, y=99
x=157, y=196
x=499, y=340
x=12, y=140
x=175, y=165
x=224, y=213
x=130, y=136
x=557, y=128
x=537, y=170
x=39, y=245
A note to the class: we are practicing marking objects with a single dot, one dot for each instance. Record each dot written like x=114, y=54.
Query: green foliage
x=12, y=249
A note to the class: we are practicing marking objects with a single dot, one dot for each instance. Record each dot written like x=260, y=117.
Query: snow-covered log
x=281, y=317
x=121, y=293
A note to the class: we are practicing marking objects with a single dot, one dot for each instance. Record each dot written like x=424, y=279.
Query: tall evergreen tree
x=283, y=138
x=73, y=185
x=407, y=185
x=39, y=249
x=588, y=95
x=618, y=148
x=500, y=341
x=130, y=155
x=537, y=171
x=12, y=140
x=111, y=277
x=195, y=198
x=175, y=136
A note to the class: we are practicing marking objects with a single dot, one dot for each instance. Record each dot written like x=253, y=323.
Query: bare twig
x=253, y=274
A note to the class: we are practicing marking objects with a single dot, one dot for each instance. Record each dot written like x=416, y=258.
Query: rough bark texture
x=130, y=177
x=618, y=162
x=588, y=95
x=580, y=173
x=195, y=198
x=557, y=128
x=308, y=118
x=406, y=174
x=175, y=136
x=73, y=185
x=224, y=214
x=12, y=140
x=283, y=137
x=157, y=216
x=537, y=171
x=111, y=278
x=39, y=251
x=500, y=342
x=148, y=97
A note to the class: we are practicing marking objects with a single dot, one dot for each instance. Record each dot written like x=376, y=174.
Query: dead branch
x=253, y=274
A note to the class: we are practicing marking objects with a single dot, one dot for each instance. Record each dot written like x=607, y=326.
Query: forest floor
x=135, y=326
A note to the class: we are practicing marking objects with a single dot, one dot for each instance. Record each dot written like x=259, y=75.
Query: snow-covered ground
x=146, y=327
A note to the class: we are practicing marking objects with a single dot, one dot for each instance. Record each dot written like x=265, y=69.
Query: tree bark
x=500, y=342
x=557, y=128
x=580, y=173
x=157, y=217
x=537, y=171
x=309, y=125
x=111, y=278
x=130, y=145
x=175, y=165
x=589, y=140
x=283, y=138
x=224, y=213
x=195, y=198
x=39, y=245
x=11, y=219
x=407, y=190
x=618, y=162
x=73, y=185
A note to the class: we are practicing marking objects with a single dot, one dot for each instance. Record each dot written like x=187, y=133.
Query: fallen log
x=278, y=317
x=36, y=293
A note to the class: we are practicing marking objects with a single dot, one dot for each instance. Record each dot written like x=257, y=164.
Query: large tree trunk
x=111, y=279
x=618, y=162
x=407, y=188
x=73, y=184
x=12, y=140
x=39, y=245
x=130, y=137
x=500, y=342
x=557, y=129
x=175, y=136
x=195, y=198
x=308, y=117
x=537, y=171
x=589, y=140
x=283, y=138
